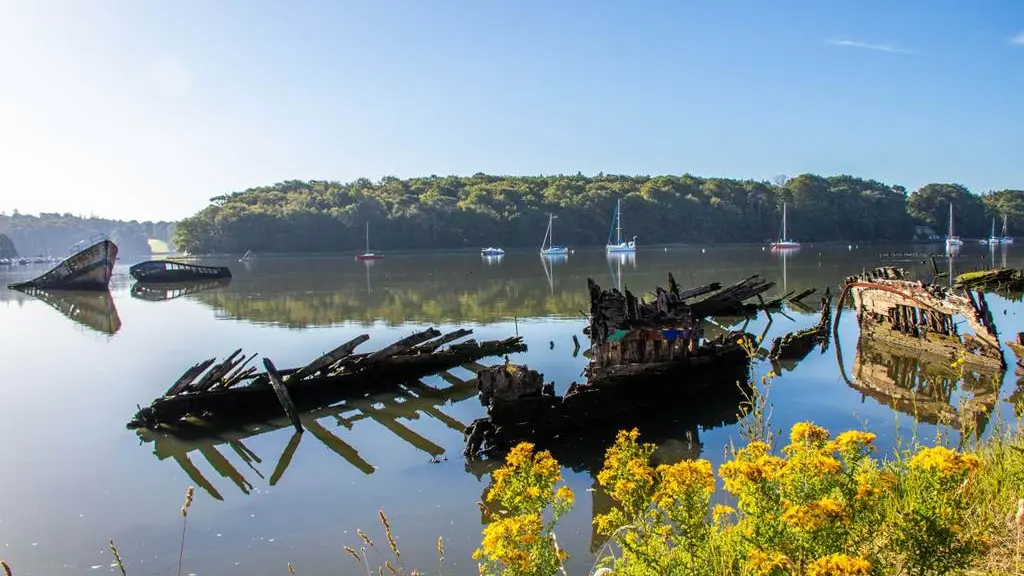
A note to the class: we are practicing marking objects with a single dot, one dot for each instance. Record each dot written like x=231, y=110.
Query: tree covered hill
x=54, y=234
x=454, y=212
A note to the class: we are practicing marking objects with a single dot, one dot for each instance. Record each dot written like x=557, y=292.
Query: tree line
x=480, y=210
x=54, y=234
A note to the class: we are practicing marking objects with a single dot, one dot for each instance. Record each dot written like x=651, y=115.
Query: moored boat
x=168, y=271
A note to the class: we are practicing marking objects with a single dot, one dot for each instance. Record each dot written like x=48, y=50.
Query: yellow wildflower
x=506, y=541
x=807, y=433
x=944, y=461
x=752, y=463
x=839, y=565
x=533, y=492
x=762, y=563
x=854, y=440
x=682, y=477
x=565, y=495
x=721, y=511
x=812, y=516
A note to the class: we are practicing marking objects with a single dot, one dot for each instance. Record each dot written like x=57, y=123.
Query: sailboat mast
x=950, y=219
x=784, y=235
x=618, y=221
x=1004, y=225
x=367, y=236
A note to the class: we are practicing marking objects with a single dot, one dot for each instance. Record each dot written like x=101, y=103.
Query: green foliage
x=54, y=234
x=454, y=212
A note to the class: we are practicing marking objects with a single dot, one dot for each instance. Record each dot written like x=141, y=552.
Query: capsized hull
x=89, y=269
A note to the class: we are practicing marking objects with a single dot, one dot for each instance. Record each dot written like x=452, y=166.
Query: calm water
x=74, y=369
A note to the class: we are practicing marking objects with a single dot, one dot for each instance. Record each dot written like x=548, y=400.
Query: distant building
x=7, y=248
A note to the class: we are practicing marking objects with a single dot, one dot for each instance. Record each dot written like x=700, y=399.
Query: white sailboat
x=368, y=255
x=547, y=246
x=1005, y=238
x=992, y=239
x=951, y=239
x=619, y=245
x=785, y=243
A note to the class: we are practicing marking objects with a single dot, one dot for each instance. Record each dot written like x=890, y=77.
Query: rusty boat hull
x=88, y=269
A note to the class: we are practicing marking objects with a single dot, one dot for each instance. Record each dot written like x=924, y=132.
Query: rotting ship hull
x=89, y=269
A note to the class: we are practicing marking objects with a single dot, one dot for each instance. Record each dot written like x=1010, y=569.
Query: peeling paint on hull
x=89, y=269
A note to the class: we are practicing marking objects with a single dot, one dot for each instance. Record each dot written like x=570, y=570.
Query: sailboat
x=368, y=255
x=547, y=246
x=952, y=240
x=785, y=243
x=1005, y=239
x=619, y=245
x=992, y=238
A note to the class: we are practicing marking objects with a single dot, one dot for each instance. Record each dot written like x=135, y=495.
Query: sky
x=146, y=109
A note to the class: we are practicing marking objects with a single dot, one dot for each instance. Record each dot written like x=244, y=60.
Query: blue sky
x=145, y=109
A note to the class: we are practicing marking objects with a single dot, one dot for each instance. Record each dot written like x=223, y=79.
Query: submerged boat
x=368, y=255
x=87, y=269
x=619, y=245
x=167, y=271
x=547, y=246
x=784, y=242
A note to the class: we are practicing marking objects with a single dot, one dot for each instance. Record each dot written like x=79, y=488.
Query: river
x=74, y=370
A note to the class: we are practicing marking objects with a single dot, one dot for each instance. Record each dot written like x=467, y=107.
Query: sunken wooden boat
x=232, y=391
x=923, y=316
x=87, y=269
x=613, y=312
x=169, y=271
x=521, y=407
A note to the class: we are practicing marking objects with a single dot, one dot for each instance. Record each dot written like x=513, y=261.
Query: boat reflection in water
x=93, y=309
x=926, y=386
x=326, y=424
x=170, y=291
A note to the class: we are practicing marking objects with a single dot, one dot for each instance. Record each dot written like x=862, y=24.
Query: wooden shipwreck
x=923, y=316
x=522, y=407
x=614, y=312
x=196, y=441
x=234, y=391
x=169, y=271
x=87, y=269
x=646, y=355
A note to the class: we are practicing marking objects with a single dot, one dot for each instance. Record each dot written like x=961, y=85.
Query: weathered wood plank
x=282, y=394
x=326, y=360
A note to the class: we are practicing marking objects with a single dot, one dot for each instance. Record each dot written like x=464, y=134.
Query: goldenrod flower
x=839, y=565
x=808, y=433
x=762, y=563
x=813, y=516
x=944, y=461
x=854, y=440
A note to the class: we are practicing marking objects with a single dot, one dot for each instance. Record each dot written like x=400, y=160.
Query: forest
x=54, y=234
x=481, y=210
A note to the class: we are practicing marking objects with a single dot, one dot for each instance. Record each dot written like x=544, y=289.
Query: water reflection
x=925, y=386
x=386, y=410
x=160, y=292
x=90, y=308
